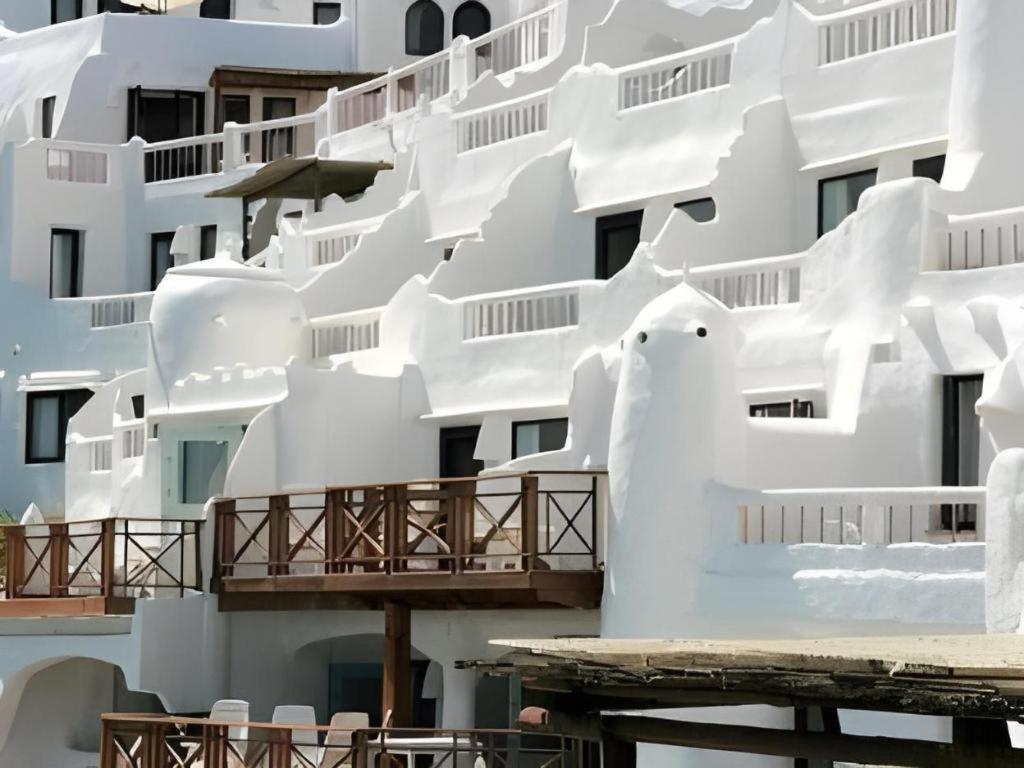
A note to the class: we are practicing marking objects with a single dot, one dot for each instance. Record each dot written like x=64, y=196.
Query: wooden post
x=333, y=531
x=224, y=542
x=528, y=509
x=107, y=547
x=14, y=540
x=397, y=693
x=460, y=524
x=215, y=746
x=278, y=535
x=396, y=528
x=280, y=752
x=59, y=551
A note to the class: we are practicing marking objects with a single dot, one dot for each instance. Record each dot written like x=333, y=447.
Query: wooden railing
x=675, y=76
x=516, y=522
x=753, y=283
x=879, y=26
x=863, y=516
x=153, y=741
x=116, y=557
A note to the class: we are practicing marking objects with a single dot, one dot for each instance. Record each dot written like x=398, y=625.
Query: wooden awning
x=292, y=79
x=305, y=178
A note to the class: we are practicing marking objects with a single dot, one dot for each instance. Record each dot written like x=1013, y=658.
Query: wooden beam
x=812, y=746
x=397, y=694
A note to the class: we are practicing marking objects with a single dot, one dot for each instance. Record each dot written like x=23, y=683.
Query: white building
x=717, y=299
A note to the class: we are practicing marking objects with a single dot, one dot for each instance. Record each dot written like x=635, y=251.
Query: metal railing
x=116, y=557
x=156, y=741
x=753, y=283
x=515, y=522
x=502, y=122
x=863, y=516
x=880, y=26
x=348, y=332
x=675, y=76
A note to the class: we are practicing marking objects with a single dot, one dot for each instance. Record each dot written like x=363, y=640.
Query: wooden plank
x=811, y=746
x=397, y=693
x=61, y=607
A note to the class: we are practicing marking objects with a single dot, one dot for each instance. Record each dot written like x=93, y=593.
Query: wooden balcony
x=503, y=541
x=154, y=741
x=97, y=567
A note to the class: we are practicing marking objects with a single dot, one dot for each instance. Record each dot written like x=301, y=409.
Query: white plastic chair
x=233, y=711
x=304, y=740
x=339, y=739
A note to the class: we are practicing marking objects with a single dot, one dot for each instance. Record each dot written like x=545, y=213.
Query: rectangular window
x=204, y=465
x=207, y=242
x=139, y=406
x=278, y=142
x=326, y=13
x=235, y=109
x=215, y=9
x=458, y=444
x=538, y=436
x=930, y=168
x=702, y=210
x=617, y=238
x=47, y=416
x=794, y=409
x=160, y=257
x=65, y=263
x=961, y=446
x=49, y=106
x=838, y=197
x=156, y=115
x=65, y=10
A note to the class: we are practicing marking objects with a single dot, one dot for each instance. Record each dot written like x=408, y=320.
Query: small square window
x=540, y=436
x=47, y=416
x=326, y=13
x=65, y=263
x=838, y=197
x=49, y=106
x=930, y=168
x=207, y=242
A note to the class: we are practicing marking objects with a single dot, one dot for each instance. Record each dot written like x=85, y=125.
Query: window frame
x=319, y=6
x=421, y=50
x=538, y=422
x=603, y=225
x=795, y=406
x=154, y=238
x=77, y=277
x=63, y=417
x=53, y=11
x=842, y=177
x=475, y=5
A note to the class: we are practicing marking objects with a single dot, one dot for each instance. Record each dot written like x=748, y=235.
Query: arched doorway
x=424, y=28
x=471, y=19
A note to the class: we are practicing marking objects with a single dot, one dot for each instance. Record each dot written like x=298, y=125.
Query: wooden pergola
x=977, y=680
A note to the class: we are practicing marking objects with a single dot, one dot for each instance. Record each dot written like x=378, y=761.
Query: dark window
x=204, y=466
x=139, y=406
x=961, y=445
x=326, y=13
x=458, y=444
x=617, y=238
x=215, y=9
x=930, y=167
x=838, y=197
x=65, y=10
x=65, y=263
x=160, y=258
x=278, y=142
x=701, y=211
x=424, y=28
x=794, y=409
x=115, y=6
x=49, y=106
x=207, y=242
x=538, y=436
x=236, y=110
x=471, y=19
x=47, y=419
x=164, y=116
x=448, y=253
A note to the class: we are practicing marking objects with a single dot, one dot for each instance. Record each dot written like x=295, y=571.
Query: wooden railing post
x=396, y=528
x=14, y=540
x=397, y=681
x=461, y=523
x=279, y=754
x=528, y=501
x=107, y=751
x=224, y=542
x=360, y=749
x=107, y=548
x=333, y=531
x=215, y=746
x=279, y=527
x=59, y=551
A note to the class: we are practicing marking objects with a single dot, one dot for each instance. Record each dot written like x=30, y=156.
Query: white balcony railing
x=270, y=140
x=883, y=25
x=503, y=122
x=753, y=283
x=184, y=158
x=110, y=311
x=675, y=76
x=133, y=441
x=525, y=41
x=101, y=454
x=520, y=312
x=76, y=165
x=332, y=249
x=991, y=239
x=862, y=516
x=349, y=332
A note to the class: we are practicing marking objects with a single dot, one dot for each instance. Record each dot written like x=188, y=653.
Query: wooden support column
x=278, y=535
x=14, y=540
x=396, y=528
x=528, y=506
x=60, y=547
x=397, y=694
x=333, y=530
x=107, y=548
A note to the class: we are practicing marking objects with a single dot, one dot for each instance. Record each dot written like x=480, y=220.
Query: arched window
x=472, y=19
x=424, y=28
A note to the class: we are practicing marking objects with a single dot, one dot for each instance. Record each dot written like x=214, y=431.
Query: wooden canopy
x=305, y=178
x=977, y=680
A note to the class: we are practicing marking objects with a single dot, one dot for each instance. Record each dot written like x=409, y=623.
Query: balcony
x=98, y=567
x=501, y=541
x=140, y=741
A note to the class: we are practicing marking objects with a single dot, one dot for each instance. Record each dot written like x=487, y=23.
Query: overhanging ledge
x=305, y=178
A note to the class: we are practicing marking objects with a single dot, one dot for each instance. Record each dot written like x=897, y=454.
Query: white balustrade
x=349, y=332
x=184, y=158
x=101, y=454
x=503, y=122
x=429, y=79
x=110, y=311
x=270, y=140
x=332, y=248
x=133, y=441
x=525, y=41
x=76, y=165
x=983, y=240
x=880, y=26
x=675, y=76
x=753, y=283
x=520, y=312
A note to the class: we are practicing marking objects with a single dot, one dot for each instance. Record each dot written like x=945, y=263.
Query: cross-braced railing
x=116, y=557
x=512, y=522
x=154, y=741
